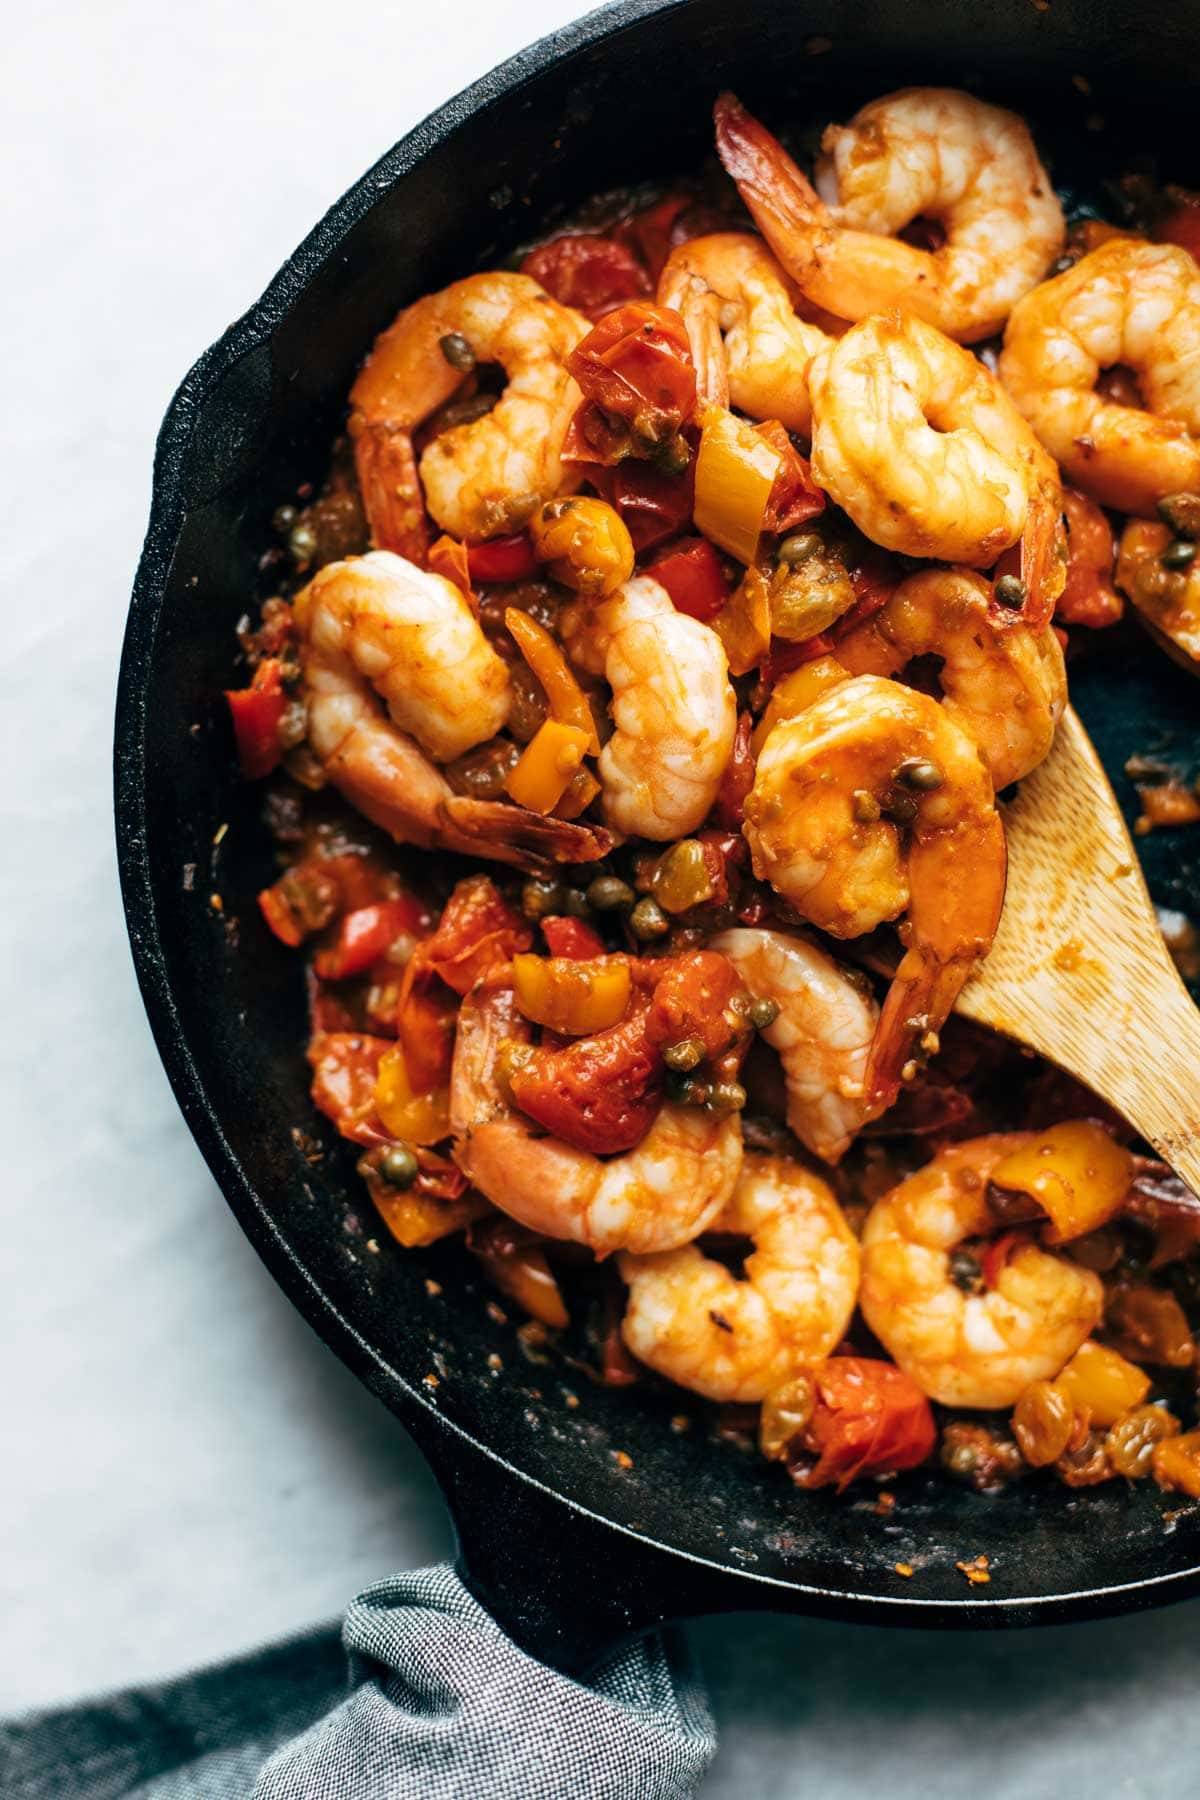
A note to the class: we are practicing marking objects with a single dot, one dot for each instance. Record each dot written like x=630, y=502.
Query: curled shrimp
x=967, y=1348
x=923, y=153
x=672, y=705
x=1003, y=680
x=921, y=445
x=1127, y=302
x=823, y=1032
x=486, y=476
x=735, y=1340
x=748, y=345
x=654, y=1197
x=397, y=673
x=871, y=802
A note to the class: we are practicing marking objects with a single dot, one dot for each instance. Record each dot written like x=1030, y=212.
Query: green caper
x=799, y=546
x=1010, y=591
x=576, y=904
x=865, y=806
x=762, y=1013
x=1182, y=513
x=684, y=1090
x=673, y=456
x=1180, y=553
x=541, y=899
x=918, y=772
x=457, y=352
x=966, y=1272
x=608, y=893
x=684, y=1055
x=302, y=542
x=648, y=920
x=727, y=1097
x=398, y=1166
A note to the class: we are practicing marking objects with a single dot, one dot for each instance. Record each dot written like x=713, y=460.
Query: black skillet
x=569, y=1548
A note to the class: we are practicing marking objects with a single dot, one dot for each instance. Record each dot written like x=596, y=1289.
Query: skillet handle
x=566, y=1586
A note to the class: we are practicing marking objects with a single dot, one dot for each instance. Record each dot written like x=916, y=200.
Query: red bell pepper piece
x=591, y=273
x=502, y=559
x=366, y=934
x=256, y=712
x=691, y=573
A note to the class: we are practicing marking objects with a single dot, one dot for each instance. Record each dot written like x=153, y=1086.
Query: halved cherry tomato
x=502, y=559
x=571, y=937
x=691, y=572
x=345, y=1066
x=591, y=273
x=795, y=497
x=693, y=998
x=654, y=506
x=651, y=232
x=257, y=712
x=477, y=930
x=869, y=1418
x=638, y=382
x=601, y=1093
x=366, y=934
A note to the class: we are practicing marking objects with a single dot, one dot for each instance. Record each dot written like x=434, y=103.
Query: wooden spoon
x=1079, y=970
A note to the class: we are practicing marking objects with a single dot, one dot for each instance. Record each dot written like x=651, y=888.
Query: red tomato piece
x=257, y=712
x=600, y=1093
x=502, y=559
x=425, y=1022
x=572, y=938
x=591, y=273
x=691, y=573
x=1089, y=597
x=654, y=506
x=478, y=930
x=795, y=496
x=869, y=1418
x=692, y=998
x=638, y=382
x=366, y=934
x=345, y=1065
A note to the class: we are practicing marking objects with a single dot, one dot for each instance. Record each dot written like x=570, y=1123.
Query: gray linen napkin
x=442, y=1705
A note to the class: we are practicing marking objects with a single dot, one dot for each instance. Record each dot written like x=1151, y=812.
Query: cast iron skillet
x=571, y=1550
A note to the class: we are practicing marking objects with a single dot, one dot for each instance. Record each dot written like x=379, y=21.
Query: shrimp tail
x=785, y=205
x=1043, y=558
x=505, y=833
x=390, y=486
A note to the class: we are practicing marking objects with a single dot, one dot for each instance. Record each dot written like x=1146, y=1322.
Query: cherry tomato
x=591, y=273
x=345, y=1065
x=600, y=1093
x=1089, y=597
x=869, y=1417
x=654, y=506
x=795, y=496
x=638, y=382
x=478, y=929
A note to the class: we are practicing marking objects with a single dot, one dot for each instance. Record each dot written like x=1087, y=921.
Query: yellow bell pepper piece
x=575, y=997
x=567, y=701
x=1076, y=1171
x=416, y=1220
x=417, y=1118
x=1099, y=1381
x=549, y=764
x=744, y=623
x=735, y=472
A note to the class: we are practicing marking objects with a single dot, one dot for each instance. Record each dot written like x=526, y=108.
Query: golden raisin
x=1176, y=1463
x=1087, y=1465
x=1042, y=1422
x=785, y=1414
x=1149, y=1325
x=1131, y=1442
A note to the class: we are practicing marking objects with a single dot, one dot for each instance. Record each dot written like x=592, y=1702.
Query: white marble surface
x=184, y=1469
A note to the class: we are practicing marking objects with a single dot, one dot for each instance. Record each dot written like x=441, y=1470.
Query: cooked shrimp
x=1128, y=302
x=871, y=802
x=480, y=478
x=672, y=705
x=967, y=1348
x=920, y=444
x=397, y=671
x=655, y=1197
x=1003, y=681
x=735, y=1340
x=1168, y=599
x=823, y=1032
x=748, y=345
x=923, y=153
